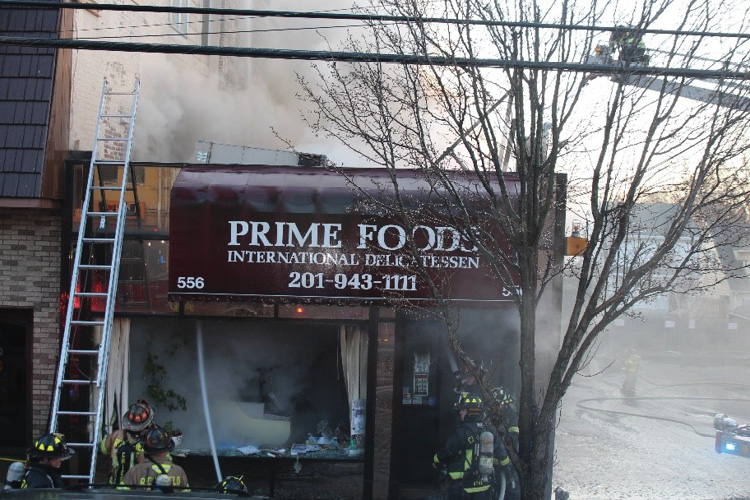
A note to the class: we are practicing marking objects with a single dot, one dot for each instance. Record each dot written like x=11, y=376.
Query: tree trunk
x=534, y=468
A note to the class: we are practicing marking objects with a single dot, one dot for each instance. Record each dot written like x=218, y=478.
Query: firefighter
x=510, y=420
x=632, y=48
x=156, y=446
x=461, y=454
x=45, y=458
x=510, y=413
x=466, y=383
x=632, y=364
x=468, y=386
x=124, y=445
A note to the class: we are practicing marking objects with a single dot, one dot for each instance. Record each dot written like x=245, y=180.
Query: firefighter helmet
x=232, y=484
x=470, y=402
x=502, y=395
x=157, y=440
x=51, y=446
x=138, y=417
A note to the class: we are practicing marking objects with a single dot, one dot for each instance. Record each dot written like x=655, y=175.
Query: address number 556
x=190, y=282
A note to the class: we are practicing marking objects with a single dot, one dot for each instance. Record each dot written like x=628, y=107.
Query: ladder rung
x=91, y=294
x=82, y=445
x=70, y=476
x=119, y=93
x=108, y=162
x=78, y=382
x=120, y=139
x=82, y=351
x=102, y=214
x=86, y=322
x=98, y=240
x=106, y=188
x=101, y=267
x=86, y=413
x=116, y=116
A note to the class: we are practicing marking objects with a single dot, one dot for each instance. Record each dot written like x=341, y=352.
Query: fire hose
x=443, y=478
x=666, y=419
x=581, y=404
x=204, y=396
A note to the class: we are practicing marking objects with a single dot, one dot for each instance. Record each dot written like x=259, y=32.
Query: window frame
x=179, y=21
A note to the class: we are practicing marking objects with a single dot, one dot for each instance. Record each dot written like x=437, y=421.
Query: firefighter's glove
x=460, y=379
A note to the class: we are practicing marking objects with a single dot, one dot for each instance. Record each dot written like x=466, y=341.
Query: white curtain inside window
x=116, y=395
x=353, y=341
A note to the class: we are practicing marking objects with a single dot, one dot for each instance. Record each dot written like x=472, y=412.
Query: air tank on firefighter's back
x=486, y=453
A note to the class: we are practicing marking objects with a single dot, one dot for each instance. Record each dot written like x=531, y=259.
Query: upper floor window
x=179, y=20
x=113, y=174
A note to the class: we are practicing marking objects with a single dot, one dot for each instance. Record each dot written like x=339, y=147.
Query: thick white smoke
x=250, y=102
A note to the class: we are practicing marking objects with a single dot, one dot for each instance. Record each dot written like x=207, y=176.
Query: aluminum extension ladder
x=97, y=260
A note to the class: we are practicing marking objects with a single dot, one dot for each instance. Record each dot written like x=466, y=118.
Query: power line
x=363, y=57
x=360, y=17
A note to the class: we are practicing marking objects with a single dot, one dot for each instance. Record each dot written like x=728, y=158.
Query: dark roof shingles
x=14, y=139
x=10, y=187
x=25, y=94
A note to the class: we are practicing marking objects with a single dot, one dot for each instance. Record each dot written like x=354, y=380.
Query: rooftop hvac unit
x=230, y=154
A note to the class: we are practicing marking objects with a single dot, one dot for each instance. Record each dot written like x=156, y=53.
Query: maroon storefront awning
x=305, y=234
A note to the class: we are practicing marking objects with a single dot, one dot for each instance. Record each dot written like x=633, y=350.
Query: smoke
x=180, y=106
x=285, y=371
x=233, y=100
x=491, y=337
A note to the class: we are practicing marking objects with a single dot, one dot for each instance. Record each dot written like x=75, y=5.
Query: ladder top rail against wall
x=93, y=287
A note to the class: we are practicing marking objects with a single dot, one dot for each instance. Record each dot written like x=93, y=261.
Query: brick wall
x=30, y=278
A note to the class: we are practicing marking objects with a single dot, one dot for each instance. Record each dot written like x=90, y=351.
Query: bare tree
x=493, y=141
